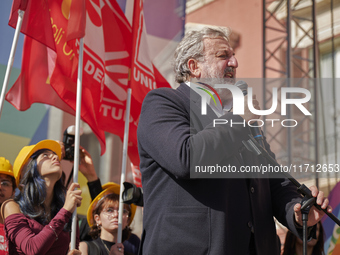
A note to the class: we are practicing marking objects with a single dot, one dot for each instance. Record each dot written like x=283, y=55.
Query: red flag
x=32, y=85
x=77, y=20
x=129, y=48
x=107, y=59
x=116, y=32
x=60, y=69
x=36, y=22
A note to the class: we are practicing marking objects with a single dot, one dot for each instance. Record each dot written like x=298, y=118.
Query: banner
x=50, y=77
x=128, y=49
x=112, y=47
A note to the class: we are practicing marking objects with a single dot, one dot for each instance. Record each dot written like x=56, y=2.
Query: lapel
x=195, y=107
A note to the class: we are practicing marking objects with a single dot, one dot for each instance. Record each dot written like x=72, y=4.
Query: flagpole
x=77, y=137
x=11, y=58
x=122, y=177
x=125, y=142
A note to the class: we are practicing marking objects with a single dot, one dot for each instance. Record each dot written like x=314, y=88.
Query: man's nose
x=233, y=62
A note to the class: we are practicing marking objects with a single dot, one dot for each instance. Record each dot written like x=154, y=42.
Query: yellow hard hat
x=108, y=189
x=6, y=167
x=26, y=152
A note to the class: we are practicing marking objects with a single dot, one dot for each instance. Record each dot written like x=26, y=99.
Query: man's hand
x=314, y=215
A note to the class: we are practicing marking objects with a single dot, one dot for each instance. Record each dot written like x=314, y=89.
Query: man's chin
x=229, y=80
x=213, y=81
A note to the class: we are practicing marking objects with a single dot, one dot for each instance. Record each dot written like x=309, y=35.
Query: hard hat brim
x=108, y=188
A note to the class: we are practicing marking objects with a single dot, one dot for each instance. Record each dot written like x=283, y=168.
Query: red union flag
x=130, y=51
x=50, y=77
x=108, y=55
x=117, y=34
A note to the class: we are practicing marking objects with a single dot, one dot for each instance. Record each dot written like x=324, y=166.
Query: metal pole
x=264, y=87
x=11, y=58
x=77, y=137
x=122, y=177
x=289, y=76
x=315, y=75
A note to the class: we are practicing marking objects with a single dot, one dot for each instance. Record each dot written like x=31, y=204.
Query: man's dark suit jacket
x=203, y=216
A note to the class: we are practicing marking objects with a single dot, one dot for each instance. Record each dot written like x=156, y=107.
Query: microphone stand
x=308, y=200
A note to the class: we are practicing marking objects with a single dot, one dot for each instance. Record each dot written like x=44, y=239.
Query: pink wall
x=243, y=17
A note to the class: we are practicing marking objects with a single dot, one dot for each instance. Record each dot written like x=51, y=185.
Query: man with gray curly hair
x=192, y=47
x=218, y=216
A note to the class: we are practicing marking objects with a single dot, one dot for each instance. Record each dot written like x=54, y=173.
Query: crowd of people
x=37, y=218
x=182, y=215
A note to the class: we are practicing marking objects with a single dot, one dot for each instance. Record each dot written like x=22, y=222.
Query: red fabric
x=144, y=76
x=108, y=55
x=36, y=15
x=117, y=38
x=77, y=20
x=32, y=85
x=51, y=77
x=27, y=236
x=3, y=241
x=137, y=175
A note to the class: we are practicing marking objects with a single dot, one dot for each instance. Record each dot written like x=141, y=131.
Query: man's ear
x=194, y=68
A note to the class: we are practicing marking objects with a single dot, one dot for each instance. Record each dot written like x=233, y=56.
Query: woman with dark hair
x=294, y=246
x=38, y=219
x=102, y=217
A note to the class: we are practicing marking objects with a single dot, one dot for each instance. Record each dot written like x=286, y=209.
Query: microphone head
x=243, y=86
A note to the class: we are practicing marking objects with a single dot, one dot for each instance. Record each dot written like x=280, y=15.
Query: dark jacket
x=203, y=216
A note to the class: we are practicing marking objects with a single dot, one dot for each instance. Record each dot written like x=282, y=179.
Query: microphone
x=255, y=131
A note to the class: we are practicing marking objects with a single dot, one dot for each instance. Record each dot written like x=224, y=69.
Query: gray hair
x=192, y=46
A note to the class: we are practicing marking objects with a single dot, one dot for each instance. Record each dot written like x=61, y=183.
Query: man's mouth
x=229, y=72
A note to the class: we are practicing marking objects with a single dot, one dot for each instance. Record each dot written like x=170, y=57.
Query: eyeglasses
x=5, y=184
x=110, y=212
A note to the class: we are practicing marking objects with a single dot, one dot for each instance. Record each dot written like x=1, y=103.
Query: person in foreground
x=219, y=216
x=86, y=167
x=7, y=188
x=102, y=217
x=38, y=219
